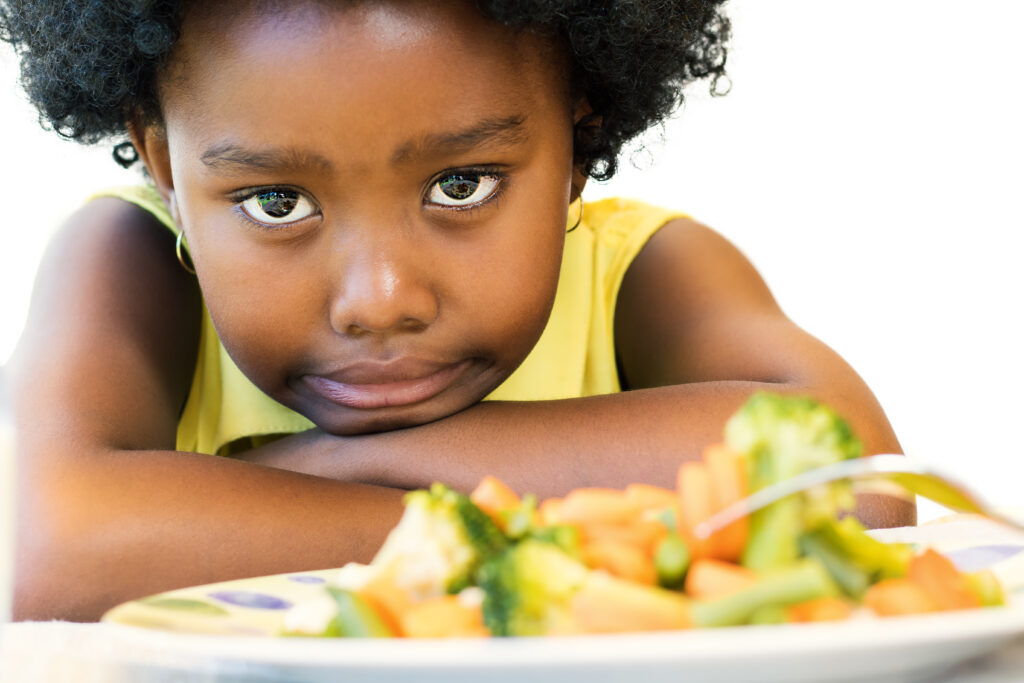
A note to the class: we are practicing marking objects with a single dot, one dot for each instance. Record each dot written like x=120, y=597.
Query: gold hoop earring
x=578, y=220
x=186, y=264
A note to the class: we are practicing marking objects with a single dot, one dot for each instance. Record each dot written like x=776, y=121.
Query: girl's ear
x=579, y=181
x=151, y=145
x=583, y=120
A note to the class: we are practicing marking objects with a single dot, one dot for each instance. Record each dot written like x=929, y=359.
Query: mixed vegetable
x=606, y=560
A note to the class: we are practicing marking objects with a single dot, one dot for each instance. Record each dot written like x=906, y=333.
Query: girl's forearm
x=550, y=447
x=108, y=527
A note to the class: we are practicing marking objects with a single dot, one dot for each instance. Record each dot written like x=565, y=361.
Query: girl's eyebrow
x=230, y=157
x=506, y=130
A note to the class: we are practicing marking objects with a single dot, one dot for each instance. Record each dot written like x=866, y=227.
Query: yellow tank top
x=574, y=357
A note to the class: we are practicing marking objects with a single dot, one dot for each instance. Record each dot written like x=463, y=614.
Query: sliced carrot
x=386, y=598
x=620, y=559
x=650, y=497
x=695, y=505
x=492, y=496
x=550, y=511
x=443, y=617
x=822, y=609
x=606, y=604
x=711, y=578
x=893, y=597
x=940, y=579
x=728, y=480
x=597, y=505
x=644, y=534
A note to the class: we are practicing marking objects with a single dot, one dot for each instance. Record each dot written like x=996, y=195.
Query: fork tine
x=912, y=475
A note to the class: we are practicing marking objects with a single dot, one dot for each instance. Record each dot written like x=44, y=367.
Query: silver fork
x=913, y=476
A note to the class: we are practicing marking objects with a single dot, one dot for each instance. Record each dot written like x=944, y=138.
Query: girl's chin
x=382, y=421
x=342, y=421
x=334, y=416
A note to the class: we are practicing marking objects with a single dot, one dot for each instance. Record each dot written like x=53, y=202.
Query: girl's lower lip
x=386, y=394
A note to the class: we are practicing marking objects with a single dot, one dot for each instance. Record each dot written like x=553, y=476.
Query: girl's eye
x=463, y=189
x=277, y=206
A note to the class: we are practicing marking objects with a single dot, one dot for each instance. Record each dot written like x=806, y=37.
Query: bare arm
x=691, y=355
x=109, y=512
x=106, y=510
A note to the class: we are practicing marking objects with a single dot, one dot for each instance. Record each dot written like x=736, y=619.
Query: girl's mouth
x=369, y=386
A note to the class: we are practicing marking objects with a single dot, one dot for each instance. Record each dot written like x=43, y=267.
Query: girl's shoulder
x=145, y=197
x=618, y=217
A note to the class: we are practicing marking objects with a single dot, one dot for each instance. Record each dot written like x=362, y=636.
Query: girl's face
x=374, y=197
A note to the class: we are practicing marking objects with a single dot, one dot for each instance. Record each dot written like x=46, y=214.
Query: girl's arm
x=697, y=332
x=106, y=510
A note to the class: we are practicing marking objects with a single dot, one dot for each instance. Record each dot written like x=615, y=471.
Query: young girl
x=363, y=264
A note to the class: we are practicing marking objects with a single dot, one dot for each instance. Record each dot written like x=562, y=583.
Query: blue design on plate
x=251, y=600
x=306, y=578
x=981, y=557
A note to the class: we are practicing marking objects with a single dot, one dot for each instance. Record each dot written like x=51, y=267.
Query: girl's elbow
x=52, y=575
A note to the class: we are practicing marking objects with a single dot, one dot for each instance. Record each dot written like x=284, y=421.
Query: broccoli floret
x=785, y=435
x=780, y=437
x=439, y=543
x=523, y=522
x=529, y=588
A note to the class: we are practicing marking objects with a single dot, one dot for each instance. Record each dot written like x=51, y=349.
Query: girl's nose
x=382, y=291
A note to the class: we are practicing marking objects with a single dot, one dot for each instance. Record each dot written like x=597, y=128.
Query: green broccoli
x=440, y=542
x=528, y=589
x=782, y=436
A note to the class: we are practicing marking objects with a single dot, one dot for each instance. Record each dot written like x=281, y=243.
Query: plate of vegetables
x=603, y=583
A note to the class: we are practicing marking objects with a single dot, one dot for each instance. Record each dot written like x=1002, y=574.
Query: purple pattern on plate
x=306, y=578
x=982, y=556
x=250, y=599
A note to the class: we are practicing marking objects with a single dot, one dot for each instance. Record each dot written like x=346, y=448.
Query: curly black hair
x=88, y=64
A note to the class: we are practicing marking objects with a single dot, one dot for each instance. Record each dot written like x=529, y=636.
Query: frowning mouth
x=369, y=386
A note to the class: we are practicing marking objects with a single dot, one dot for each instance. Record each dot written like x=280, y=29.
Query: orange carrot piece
x=597, y=505
x=606, y=604
x=940, y=579
x=822, y=609
x=728, y=480
x=711, y=578
x=387, y=599
x=695, y=505
x=893, y=597
x=620, y=559
x=550, y=511
x=643, y=534
x=443, y=617
x=492, y=495
x=650, y=497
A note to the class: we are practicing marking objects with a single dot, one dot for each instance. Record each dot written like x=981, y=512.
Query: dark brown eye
x=463, y=189
x=277, y=206
x=460, y=186
x=278, y=203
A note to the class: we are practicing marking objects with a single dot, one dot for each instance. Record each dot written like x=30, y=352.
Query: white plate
x=894, y=649
x=225, y=630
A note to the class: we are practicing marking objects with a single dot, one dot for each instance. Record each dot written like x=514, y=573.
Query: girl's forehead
x=285, y=35
x=389, y=20
x=354, y=82
x=238, y=26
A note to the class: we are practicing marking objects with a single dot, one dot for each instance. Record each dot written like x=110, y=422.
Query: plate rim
x=993, y=625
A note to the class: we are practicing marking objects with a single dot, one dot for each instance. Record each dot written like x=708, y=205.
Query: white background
x=868, y=160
